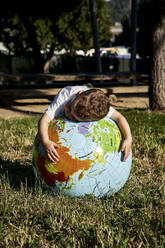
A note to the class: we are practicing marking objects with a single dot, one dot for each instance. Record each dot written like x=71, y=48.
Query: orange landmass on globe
x=65, y=167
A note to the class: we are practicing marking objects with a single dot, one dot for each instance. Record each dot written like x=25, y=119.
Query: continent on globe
x=90, y=158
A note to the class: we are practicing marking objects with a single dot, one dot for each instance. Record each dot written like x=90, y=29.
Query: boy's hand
x=126, y=147
x=51, y=152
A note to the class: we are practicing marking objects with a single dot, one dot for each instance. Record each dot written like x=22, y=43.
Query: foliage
x=121, y=12
x=133, y=217
x=148, y=16
x=124, y=38
x=145, y=25
x=35, y=28
x=119, y=9
x=75, y=27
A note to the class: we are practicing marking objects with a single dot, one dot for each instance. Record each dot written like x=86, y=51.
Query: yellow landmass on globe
x=103, y=135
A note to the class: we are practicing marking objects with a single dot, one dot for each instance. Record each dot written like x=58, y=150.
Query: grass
x=133, y=217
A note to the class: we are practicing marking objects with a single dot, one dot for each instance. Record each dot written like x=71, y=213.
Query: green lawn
x=133, y=217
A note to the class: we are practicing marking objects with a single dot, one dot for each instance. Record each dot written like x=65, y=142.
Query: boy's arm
x=49, y=146
x=124, y=126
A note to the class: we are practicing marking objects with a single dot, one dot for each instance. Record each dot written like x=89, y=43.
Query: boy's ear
x=80, y=91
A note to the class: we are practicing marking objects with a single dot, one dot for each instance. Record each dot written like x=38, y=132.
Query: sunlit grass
x=133, y=217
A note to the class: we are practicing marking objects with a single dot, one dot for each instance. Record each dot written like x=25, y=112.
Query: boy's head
x=88, y=105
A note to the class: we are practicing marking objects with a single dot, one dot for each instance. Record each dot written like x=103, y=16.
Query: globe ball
x=90, y=158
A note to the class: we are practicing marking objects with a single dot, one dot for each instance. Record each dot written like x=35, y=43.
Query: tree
x=151, y=44
x=119, y=9
x=157, y=84
x=145, y=22
x=125, y=37
x=26, y=29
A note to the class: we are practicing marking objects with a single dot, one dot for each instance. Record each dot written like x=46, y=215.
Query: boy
x=80, y=103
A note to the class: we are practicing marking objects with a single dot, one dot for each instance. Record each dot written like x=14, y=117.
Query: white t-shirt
x=63, y=96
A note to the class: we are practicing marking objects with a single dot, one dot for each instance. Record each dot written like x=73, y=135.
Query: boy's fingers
x=55, y=145
x=126, y=154
x=123, y=148
x=52, y=157
x=55, y=154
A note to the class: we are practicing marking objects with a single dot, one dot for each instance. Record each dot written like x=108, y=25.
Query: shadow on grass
x=17, y=174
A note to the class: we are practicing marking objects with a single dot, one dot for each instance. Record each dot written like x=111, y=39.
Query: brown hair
x=91, y=104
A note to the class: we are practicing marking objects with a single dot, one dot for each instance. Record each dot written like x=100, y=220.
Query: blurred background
x=59, y=39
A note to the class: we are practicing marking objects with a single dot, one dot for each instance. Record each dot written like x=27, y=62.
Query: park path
x=120, y=98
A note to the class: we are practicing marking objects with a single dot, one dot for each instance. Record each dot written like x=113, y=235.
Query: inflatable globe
x=90, y=158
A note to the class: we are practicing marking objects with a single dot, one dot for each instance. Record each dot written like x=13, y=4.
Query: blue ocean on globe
x=90, y=159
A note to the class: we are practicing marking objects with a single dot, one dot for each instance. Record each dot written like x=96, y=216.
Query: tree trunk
x=157, y=84
x=32, y=36
x=48, y=59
